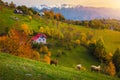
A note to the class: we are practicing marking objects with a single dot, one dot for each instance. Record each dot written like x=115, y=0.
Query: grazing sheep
x=78, y=66
x=95, y=68
x=55, y=62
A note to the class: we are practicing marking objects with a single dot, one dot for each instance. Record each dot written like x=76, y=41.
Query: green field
x=15, y=68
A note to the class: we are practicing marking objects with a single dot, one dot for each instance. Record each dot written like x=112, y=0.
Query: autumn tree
x=12, y=5
x=41, y=30
x=30, y=18
x=116, y=59
x=49, y=14
x=100, y=51
x=47, y=57
x=83, y=39
x=59, y=17
x=26, y=29
x=108, y=57
x=95, y=23
x=49, y=53
x=45, y=54
x=36, y=56
x=17, y=43
x=77, y=42
x=85, y=23
x=110, y=69
x=2, y=42
x=90, y=35
x=32, y=11
x=44, y=50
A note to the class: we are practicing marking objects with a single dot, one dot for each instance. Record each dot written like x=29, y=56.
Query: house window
x=39, y=39
x=43, y=39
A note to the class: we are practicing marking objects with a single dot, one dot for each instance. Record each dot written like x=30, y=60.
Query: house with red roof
x=39, y=38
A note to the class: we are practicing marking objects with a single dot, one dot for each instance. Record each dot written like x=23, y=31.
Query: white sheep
x=78, y=66
x=95, y=68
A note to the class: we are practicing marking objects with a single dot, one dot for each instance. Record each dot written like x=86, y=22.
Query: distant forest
x=112, y=24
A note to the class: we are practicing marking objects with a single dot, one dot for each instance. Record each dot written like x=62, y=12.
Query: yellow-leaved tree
x=77, y=42
x=30, y=18
x=26, y=29
x=41, y=30
x=110, y=69
x=45, y=54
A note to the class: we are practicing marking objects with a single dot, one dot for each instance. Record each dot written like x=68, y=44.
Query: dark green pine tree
x=116, y=59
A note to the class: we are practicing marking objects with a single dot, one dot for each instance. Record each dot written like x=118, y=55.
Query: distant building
x=39, y=38
x=41, y=13
x=17, y=11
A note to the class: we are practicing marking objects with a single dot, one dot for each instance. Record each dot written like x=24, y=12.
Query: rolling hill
x=12, y=68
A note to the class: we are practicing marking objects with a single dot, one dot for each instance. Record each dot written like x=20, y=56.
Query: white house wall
x=41, y=40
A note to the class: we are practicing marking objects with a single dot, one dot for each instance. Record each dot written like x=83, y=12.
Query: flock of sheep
x=93, y=67
x=79, y=66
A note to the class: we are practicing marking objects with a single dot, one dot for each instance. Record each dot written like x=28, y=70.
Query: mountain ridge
x=79, y=12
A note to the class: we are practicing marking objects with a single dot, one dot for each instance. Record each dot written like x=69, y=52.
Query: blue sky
x=92, y=3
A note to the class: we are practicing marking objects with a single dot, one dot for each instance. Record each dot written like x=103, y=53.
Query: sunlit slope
x=14, y=68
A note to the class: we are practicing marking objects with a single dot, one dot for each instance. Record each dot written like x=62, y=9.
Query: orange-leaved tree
x=110, y=69
x=18, y=44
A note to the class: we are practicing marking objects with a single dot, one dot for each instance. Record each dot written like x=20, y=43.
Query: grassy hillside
x=111, y=38
x=14, y=68
x=75, y=56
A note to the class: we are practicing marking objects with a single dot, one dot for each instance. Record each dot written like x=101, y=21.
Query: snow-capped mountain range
x=78, y=12
x=55, y=6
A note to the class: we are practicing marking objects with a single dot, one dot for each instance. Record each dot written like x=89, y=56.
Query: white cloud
x=94, y=3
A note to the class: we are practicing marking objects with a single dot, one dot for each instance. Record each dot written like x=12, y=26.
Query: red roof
x=37, y=36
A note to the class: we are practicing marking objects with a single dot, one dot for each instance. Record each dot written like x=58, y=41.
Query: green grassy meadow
x=15, y=68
